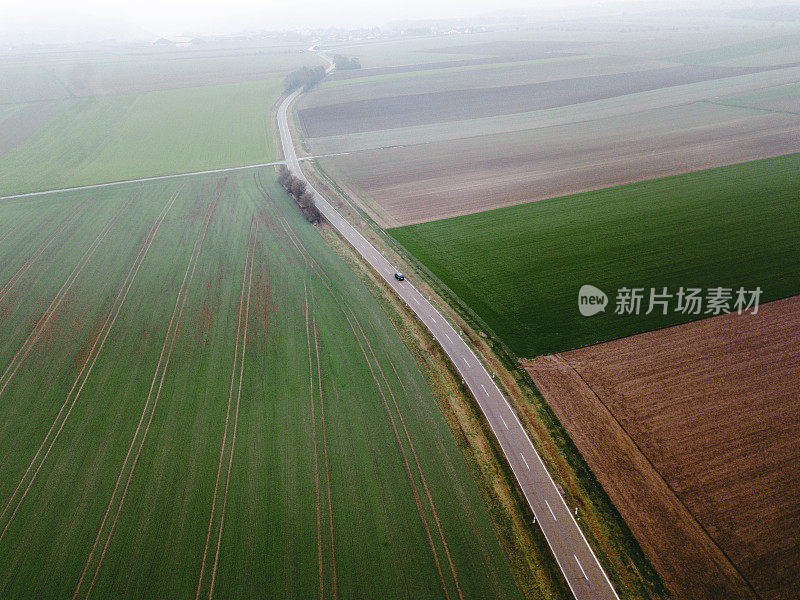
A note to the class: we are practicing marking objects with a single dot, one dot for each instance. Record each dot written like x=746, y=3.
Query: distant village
x=327, y=35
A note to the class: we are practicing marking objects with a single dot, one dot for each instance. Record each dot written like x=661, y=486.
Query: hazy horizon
x=47, y=21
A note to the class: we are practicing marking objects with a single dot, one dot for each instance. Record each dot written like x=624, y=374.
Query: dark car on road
x=399, y=276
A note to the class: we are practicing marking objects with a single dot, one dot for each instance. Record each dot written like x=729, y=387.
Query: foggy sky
x=215, y=16
x=29, y=20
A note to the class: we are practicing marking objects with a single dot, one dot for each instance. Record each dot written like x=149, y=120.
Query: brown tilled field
x=453, y=105
x=693, y=432
x=424, y=182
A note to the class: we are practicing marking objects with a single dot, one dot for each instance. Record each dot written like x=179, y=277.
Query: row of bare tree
x=304, y=77
x=301, y=194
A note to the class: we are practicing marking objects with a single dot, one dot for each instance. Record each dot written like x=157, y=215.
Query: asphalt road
x=580, y=566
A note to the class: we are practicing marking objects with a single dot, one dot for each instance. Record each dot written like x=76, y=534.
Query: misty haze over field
x=53, y=22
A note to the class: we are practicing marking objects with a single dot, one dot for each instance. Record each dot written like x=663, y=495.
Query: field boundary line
x=41, y=323
x=180, y=305
x=94, y=353
x=93, y=186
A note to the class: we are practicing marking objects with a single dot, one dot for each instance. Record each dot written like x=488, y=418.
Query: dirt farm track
x=692, y=430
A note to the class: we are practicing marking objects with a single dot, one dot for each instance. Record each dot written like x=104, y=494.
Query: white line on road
x=465, y=362
x=526, y=464
x=503, y=420
x=581, y=567
x=551, y=510
x=447, y=336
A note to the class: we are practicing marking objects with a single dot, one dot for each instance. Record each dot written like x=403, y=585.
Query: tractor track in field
x=148, y=411
x=238, y=364
x=316, y=454
x=36, y=255
x=86, y=369
x=43, y=321
x=8, y=232
x=416, y=458
x=320, y=272
x=325, y=451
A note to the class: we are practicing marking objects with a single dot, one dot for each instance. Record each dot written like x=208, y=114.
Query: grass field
x=699, y=448
x=100, y=70
x=113, y=138
x=198, y=396
x=520, y=268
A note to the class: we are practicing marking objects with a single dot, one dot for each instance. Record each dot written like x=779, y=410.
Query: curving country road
x=577, y=561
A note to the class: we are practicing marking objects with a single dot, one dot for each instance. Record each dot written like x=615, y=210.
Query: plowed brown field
x=693, y=431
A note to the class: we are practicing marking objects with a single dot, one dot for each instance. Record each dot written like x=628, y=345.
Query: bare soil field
x=692, y=431
x=476, y=74
x=369, y=72
x=454, y=105
x=420, y=183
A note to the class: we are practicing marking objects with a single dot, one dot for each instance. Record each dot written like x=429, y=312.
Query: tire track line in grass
x=407, y=465
x=327, y=470
x=314, y=436
x=49, y=312
x=238, y=360
x=33, y=258
x=148, y=411
x=322, y=276
x=86, y=369
x=8, y=232
x=320, y=272
x=416, y=458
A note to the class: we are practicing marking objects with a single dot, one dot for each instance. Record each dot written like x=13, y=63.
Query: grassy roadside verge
x=616, y=547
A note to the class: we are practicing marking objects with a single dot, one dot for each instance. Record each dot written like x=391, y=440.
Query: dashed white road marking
x=503, y=420
x=466, y=362
x=580, y=566
x=551, y=510
x=483, y=387
x=448, y=338
x=527, y=467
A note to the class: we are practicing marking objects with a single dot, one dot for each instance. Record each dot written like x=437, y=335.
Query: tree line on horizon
x=343, y=62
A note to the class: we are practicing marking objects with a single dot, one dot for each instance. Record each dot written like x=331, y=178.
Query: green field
x=112, y=138
x=520, y=268
x=180, y=408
